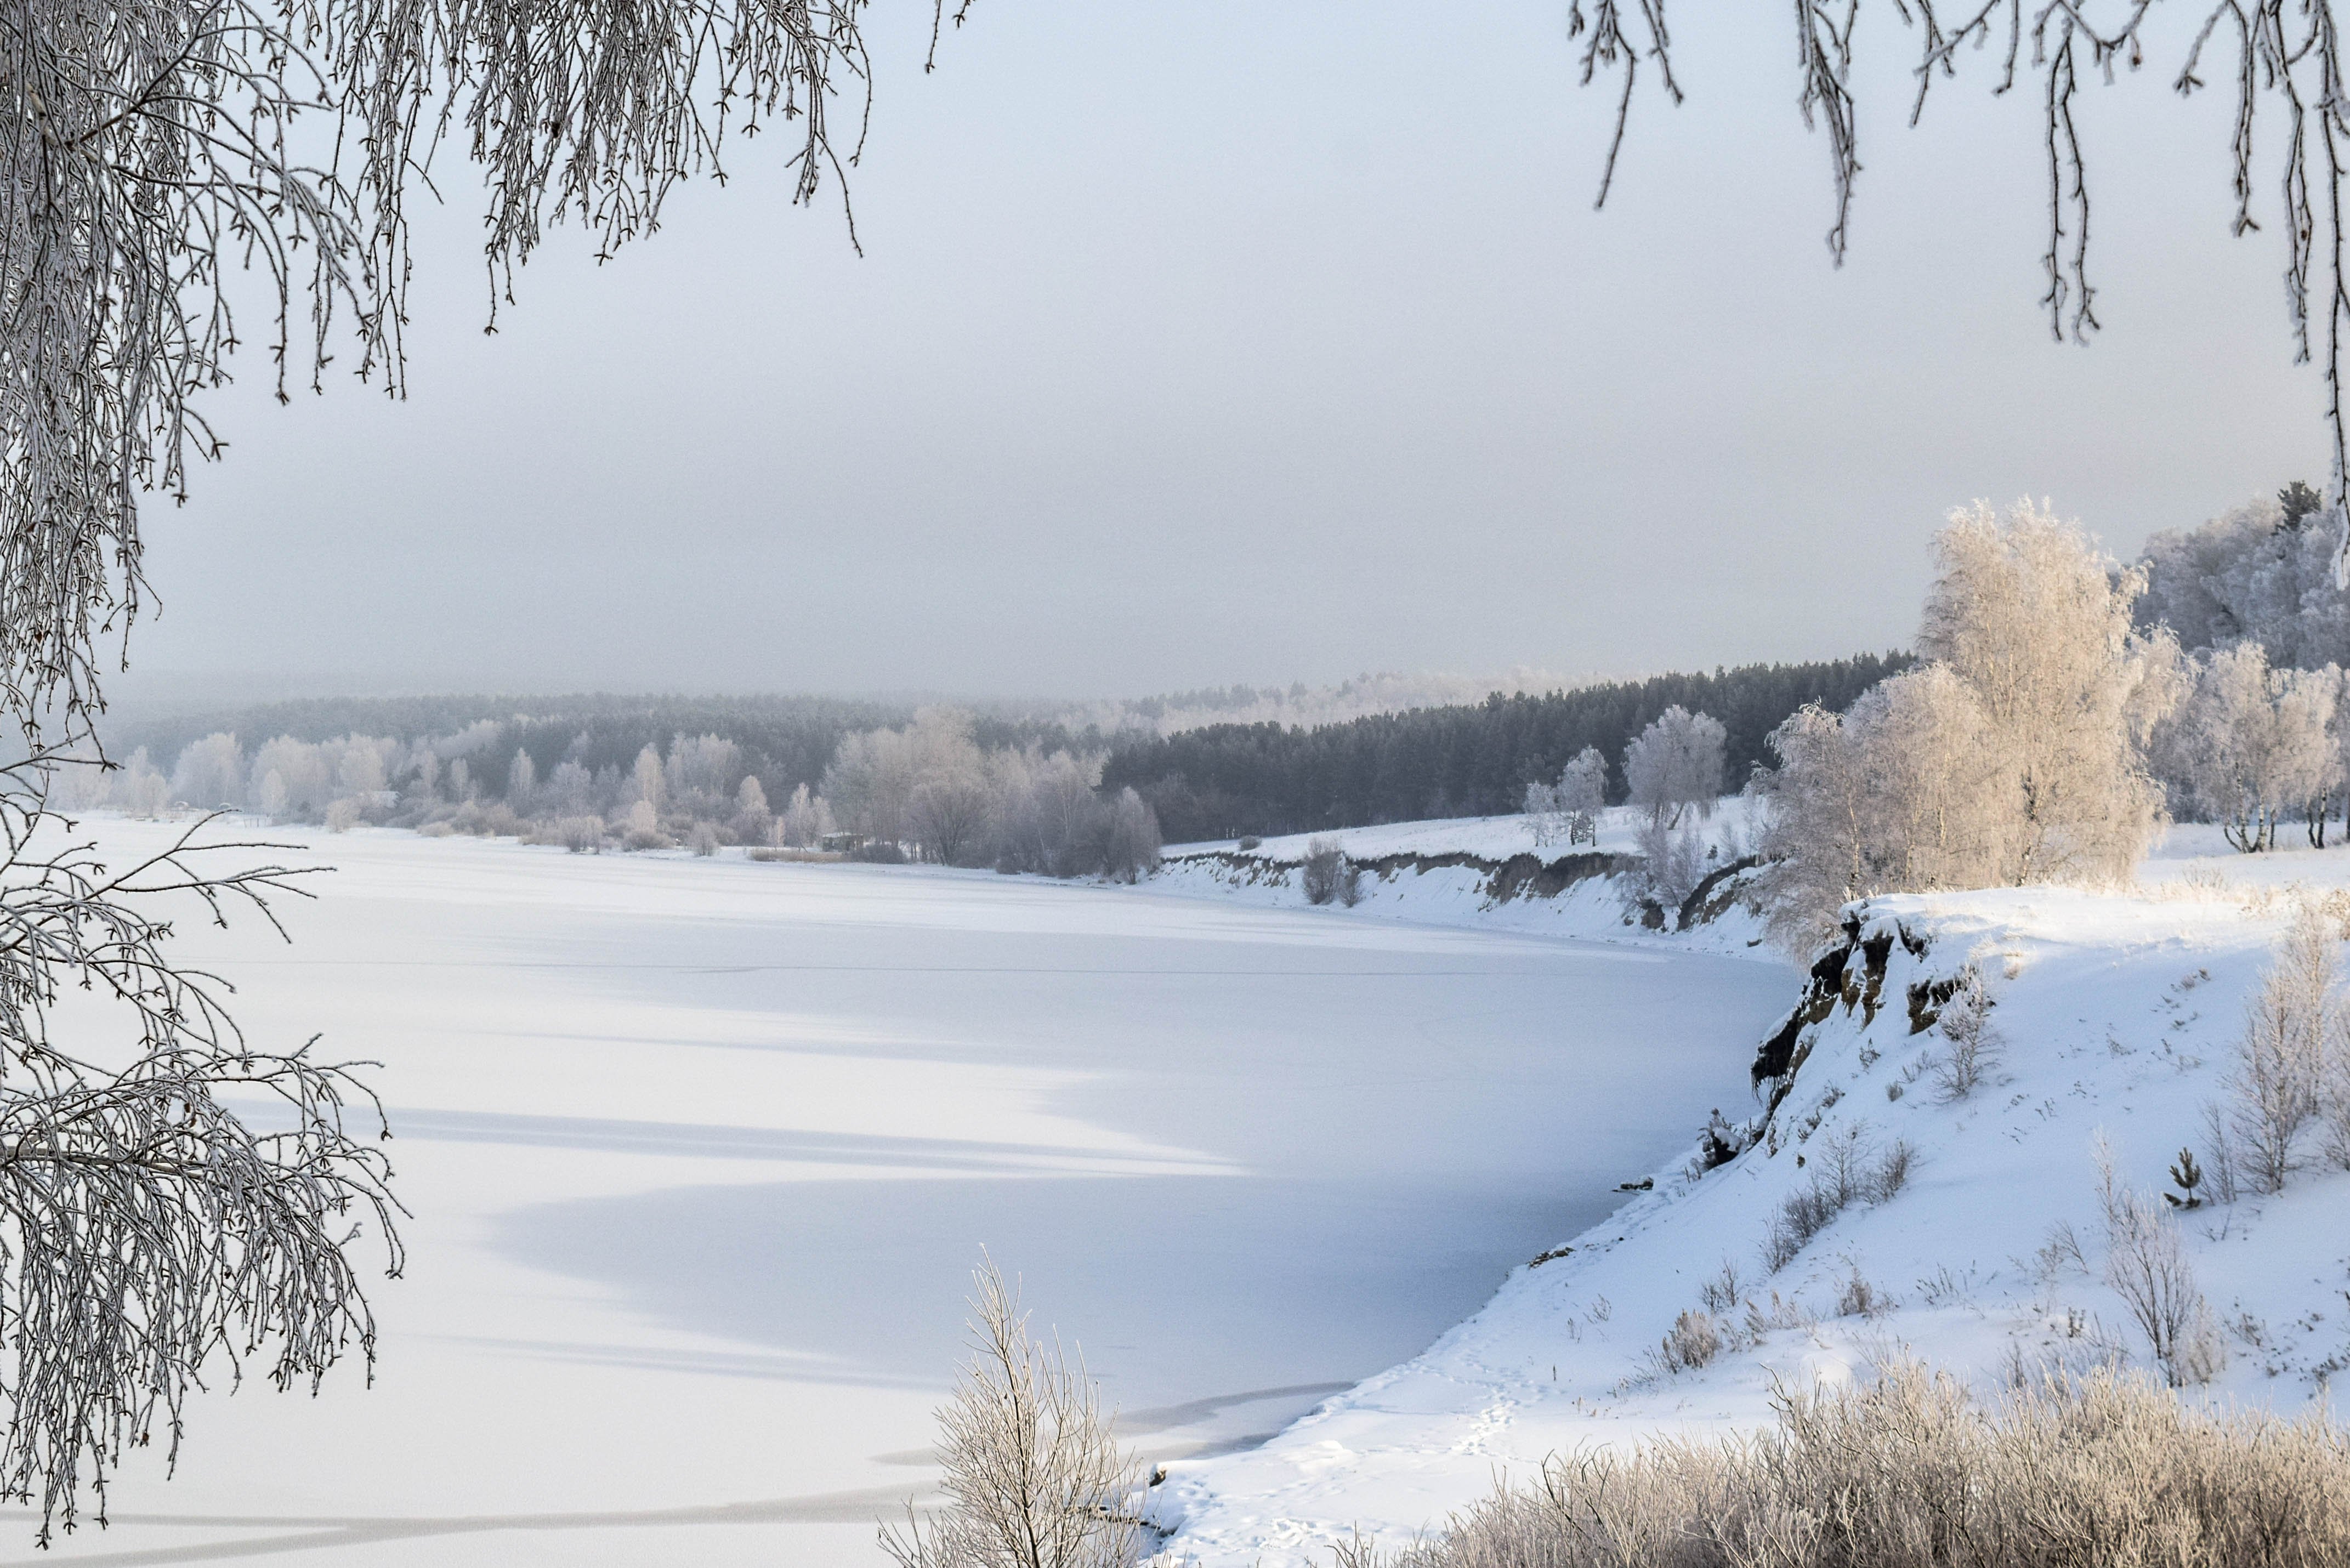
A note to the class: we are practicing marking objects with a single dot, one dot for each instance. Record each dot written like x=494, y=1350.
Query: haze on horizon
x=1209, y=344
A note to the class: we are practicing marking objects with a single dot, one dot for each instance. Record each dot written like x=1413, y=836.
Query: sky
x=1219, y=342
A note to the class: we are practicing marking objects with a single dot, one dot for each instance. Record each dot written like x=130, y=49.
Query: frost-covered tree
x=210, y=772
x=951, y=809
x=753, y=821
x=1031, y=1471
x=640, y=828
x=522, y=783
x=701, y=773
x=424, y=774
x=1052, y=821
x=806, y=818
x=2010, y=759
x=1675, y=765
x=2292, y=1023
x=648, y=780
x=1544, y=818
x=2029, y=614
x=361, y=769
x=1581, y=794
x=1131, y=850
x=1901, y=792
x=305, y=782
x=2254, y=744
x=141, y=791
x=2261, y=572
x=570, y=790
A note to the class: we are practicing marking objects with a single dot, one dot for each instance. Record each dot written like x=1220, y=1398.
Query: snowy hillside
x=1906, y=1218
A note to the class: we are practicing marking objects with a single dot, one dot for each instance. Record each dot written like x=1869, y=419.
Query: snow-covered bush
x=1720, y=1293
x=1326, y=874
x=703, y=839
x=1675, y=765
x=579, y=834
x=1856, y=1297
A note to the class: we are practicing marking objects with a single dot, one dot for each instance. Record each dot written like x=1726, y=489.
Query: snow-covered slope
x=2113, y=1014
x=1489, y=872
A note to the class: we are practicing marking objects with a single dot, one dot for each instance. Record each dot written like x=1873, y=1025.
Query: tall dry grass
x=2107, y=1471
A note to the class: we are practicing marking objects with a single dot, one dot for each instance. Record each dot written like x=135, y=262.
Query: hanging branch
x=2287, y=64
x=146, y=1228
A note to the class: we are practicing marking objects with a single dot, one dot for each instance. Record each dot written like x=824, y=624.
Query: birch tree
x=2256, y=743
x=1674, y=766
x=2013, y=757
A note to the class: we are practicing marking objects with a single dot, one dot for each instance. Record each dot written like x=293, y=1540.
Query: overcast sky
x=1221, y=342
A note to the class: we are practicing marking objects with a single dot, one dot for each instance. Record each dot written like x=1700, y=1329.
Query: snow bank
x=2111, y=1015
x=1488, y=872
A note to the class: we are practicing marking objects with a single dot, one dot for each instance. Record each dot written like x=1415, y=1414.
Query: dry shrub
x=1850, y=1170
x=1695, y=1340
x=579, y=834
x=1034, y=1477
x=2146, y=1265
x=1973, y=1043
x=2102, y=1469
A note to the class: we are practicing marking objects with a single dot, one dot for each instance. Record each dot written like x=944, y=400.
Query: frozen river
x=701, y=1153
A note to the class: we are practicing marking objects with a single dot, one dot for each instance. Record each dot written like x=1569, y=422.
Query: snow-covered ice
x=700, y=1153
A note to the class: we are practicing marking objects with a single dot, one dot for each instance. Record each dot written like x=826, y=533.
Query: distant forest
x=786, y=742
x=1224, y=780
x=1214, y=782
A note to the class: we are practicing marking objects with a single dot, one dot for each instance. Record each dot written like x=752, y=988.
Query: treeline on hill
x=1225, y=780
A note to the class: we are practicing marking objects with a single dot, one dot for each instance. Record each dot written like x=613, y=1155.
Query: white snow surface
x=2116, y=1014
x=700, y=1153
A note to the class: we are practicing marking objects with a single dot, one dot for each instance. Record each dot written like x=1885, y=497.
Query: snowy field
x=700, y=1153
